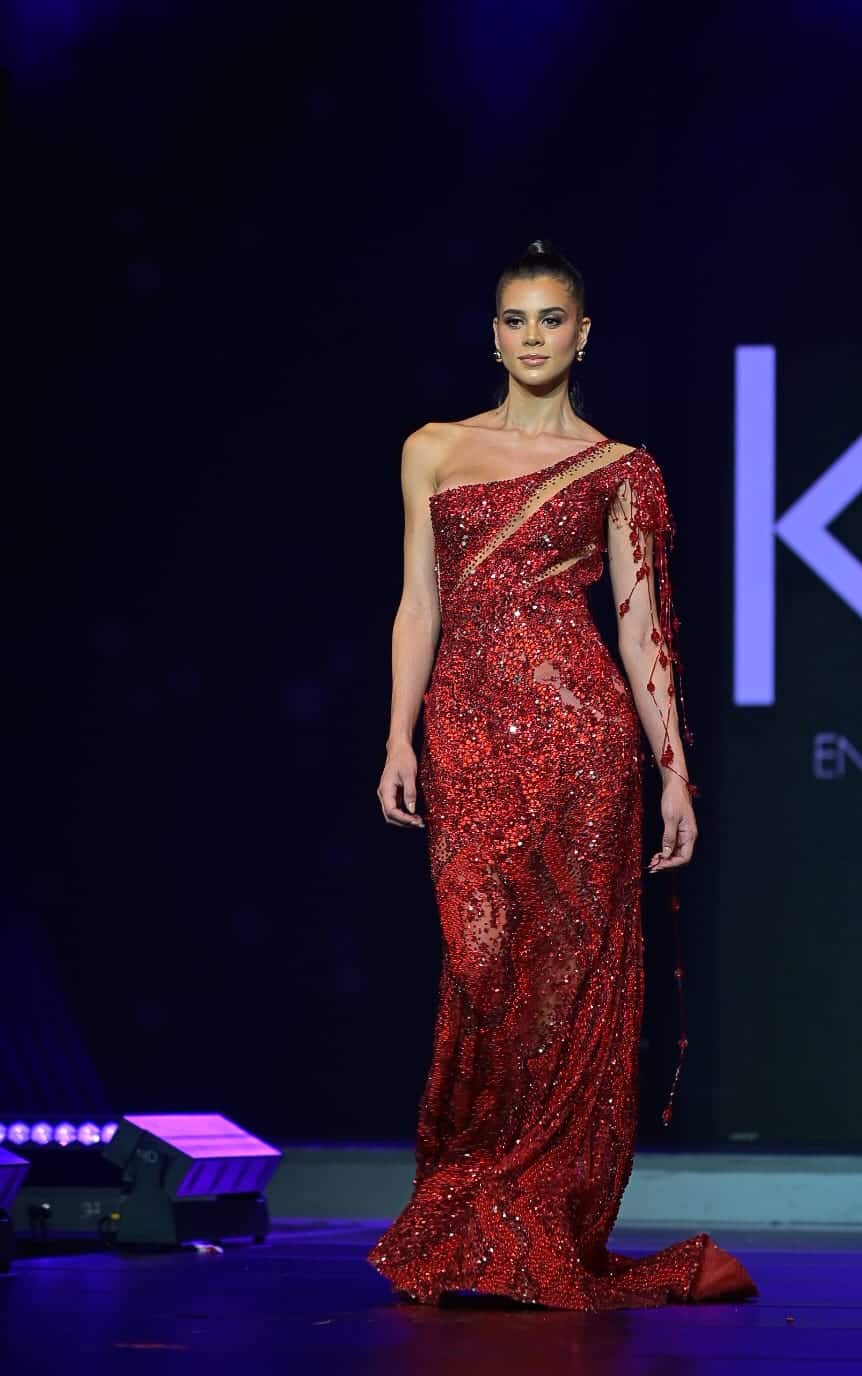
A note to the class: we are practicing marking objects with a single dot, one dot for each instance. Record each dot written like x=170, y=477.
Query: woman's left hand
x=680, y=828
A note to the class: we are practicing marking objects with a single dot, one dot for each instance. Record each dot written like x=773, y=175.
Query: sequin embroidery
x=530, y=772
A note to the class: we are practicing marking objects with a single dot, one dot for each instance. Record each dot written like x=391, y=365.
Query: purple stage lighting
x=12, y=1172
x=190, y=1176
x=218, y=1156
x=43, y=1134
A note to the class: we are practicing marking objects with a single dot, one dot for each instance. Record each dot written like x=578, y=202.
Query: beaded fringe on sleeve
x=642, y=504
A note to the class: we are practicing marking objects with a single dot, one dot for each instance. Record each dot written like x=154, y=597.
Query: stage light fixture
x=190, y=1177
x=44, y=1134
x=12, y=1172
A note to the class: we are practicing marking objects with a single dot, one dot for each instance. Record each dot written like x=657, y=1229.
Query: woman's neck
x=540, y=414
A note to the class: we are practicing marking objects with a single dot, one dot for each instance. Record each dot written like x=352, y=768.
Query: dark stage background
x=244, y=259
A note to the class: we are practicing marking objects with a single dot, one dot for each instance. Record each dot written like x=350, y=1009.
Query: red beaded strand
x=665, y=634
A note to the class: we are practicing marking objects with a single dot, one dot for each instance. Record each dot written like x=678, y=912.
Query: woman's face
x=538, y=317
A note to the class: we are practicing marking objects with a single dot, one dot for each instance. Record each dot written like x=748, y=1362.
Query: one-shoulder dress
x=530, y=772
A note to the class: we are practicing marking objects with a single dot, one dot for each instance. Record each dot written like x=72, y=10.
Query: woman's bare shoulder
x=423, y=452
x=449, y=431
x=425, y=444
x=428, y=446
x=436, y=441
x=441, y=432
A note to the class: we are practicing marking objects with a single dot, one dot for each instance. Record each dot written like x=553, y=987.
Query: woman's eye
x=548, y=320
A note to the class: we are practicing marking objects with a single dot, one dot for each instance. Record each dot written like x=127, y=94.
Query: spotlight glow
x=65, y=1134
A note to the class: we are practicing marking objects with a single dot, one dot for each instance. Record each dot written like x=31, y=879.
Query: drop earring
x=579, y=355
x=498, y=356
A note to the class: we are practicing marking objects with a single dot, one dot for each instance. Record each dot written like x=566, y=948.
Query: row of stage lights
x=63, y=1134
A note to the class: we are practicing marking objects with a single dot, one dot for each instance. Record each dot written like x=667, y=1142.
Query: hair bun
x=540, y=246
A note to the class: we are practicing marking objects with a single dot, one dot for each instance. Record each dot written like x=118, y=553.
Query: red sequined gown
x=530, y=772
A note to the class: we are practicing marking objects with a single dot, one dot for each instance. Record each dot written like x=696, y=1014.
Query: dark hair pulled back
x=540, y=259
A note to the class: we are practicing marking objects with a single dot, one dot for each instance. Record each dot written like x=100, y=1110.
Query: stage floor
x=307, y=1302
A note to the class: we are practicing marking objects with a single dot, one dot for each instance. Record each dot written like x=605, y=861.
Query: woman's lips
x=533, y=360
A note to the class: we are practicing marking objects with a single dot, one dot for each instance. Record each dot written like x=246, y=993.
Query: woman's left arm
x=640, y=529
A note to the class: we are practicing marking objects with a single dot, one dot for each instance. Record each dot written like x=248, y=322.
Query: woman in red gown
x=530, y=770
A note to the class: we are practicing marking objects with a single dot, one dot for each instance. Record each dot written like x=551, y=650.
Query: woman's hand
x=399, y=778
x=680, y=828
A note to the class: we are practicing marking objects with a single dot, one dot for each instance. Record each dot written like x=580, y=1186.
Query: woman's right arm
x=416, y=628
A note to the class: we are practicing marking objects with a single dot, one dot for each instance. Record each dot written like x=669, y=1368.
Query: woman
x=530, y=772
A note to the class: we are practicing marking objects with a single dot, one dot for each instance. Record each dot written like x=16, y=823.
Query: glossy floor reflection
x=307, y=1302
